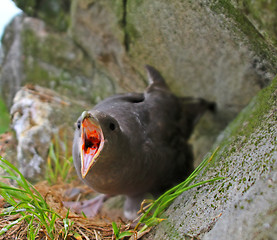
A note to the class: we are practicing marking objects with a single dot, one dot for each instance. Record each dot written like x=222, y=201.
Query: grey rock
x=38, y=115
x=97, y=28
x=253, y=216
x=11, y=71
x=1, y=55
x=34, y=54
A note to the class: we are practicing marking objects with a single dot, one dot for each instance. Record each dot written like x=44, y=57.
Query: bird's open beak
x=92, y=141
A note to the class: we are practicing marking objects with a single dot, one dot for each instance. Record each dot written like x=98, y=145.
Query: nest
x=80, y=227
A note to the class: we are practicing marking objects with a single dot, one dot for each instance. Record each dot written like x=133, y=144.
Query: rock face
x=45, y=58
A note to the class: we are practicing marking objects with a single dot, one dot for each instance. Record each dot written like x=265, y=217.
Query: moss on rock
x=54, y=13
x=56, y=63
x=242, y=25
x=263, y=15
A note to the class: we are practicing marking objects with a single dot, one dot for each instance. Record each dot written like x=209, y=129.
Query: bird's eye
x=112, y=126
x=79, y=124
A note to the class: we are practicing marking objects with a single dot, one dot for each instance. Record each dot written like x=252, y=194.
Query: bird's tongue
x=91, y=139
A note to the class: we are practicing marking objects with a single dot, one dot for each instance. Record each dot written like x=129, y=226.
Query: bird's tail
x=191, y=111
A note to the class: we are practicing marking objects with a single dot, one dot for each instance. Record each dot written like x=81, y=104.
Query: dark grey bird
x=136, y=143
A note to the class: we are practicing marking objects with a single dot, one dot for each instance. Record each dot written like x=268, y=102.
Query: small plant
x=67, y=226
x=120, y=235
x=57, y=165
x=28, y=202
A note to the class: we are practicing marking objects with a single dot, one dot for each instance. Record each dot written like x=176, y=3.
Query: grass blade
x=6, y=228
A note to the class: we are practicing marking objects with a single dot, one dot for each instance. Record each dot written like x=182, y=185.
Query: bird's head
x=96, y=130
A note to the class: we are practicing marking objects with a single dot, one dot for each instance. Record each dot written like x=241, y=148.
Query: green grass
x=59, y=165
x=120, y=235
x=31, y=205
x=4, y=117
x=28, y=202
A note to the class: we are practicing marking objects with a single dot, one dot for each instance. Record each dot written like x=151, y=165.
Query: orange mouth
x=92, y=141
